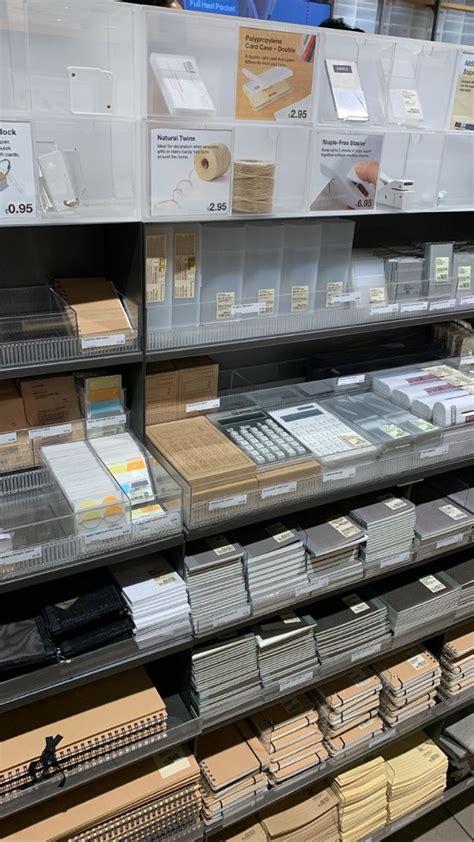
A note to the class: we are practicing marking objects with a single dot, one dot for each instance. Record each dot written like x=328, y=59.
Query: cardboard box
x=198, y=382
x=161, y=393
x=50, y=400
x=15, y=446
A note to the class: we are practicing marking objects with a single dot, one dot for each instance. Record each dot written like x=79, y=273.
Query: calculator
x=262, y=438
x=324, y=434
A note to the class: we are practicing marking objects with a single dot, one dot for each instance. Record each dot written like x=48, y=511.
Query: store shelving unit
x=107, y=123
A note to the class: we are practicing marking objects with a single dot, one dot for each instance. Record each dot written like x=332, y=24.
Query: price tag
x=415, y=307
x=201, y=406
x=449, y=304
x=388, y=308
x=17, y=556
x=50, y=432
x=345, y=297
x=254, y=307
x=467, y=300
x=294, y=680
x=279, y=490
x=102, y=341
x=434, y=452
x=107, y=534
x=451, y=539
x=342, y=473
x=351, y=379
x=228, y=502
x=103, y=423
x=17, y=180
x=396, y=559
x=8, y=438
x=367, y=652
x=230, y=616
x=411, y=103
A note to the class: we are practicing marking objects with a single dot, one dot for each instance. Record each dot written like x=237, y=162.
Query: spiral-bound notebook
x=95, y=723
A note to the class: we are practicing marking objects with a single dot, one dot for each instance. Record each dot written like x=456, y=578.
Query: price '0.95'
x=20, y=208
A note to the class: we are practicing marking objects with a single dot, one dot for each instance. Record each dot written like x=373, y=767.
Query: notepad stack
x=214, y=576
x=157, y=798
x=462, y=572
x=389, y=524
x=333, y=544
x=348, y=709
x=249, y=830
x=416, y=772
x=413, y=602
x=286, y=650
x=362, y=795
x=307, y=816
x=157, y=600
x=439, y=525
x=276, y=563
x=290, y=734
x=225, y=674
x=231, y=772
x=410, y=684
x=457, y=662
x=95, y=722
x=350, y=625
x=457, y=740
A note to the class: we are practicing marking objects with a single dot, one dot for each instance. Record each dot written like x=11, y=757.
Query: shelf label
x=344, y=297
x=228, y=502
x=201, y=406
x=103, y=423
x=231, y=616
x=305, y=587
x=415, y=307
x=50, y=432
x=102, y=341
x=17, y=180
x=365, y=653
x=17, y=556
x=467, y=300
x=254, y=307
x=387, y=308
x=190, y=172
x=381, y=738
x=108, y=534
x=8, y=438
x=351, y=379
x=451, y=539
x=279, y=490
x=321, y=582
x=449, y=304
x=294, y=680
x=434, y=452
x=467, y=360
x=396, y=559
x=341, y=473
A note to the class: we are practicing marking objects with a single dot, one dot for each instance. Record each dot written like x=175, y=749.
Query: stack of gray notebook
x=413, y=602
x=457, y=740
x=224, y=674
x=214, y=575
x=440, y=524
x=410, y=681
x=286, y=648
x=348, y=710
x=358, y=621
x=157, y=599
x=276, y=563
x=389, y=524
x=404, y=278
x=333, y=545
x=463, y=573
x=457, y=662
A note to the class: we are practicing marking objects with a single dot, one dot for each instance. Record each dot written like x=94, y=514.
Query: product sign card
x=462, y=116
x=345, y=172
x=275, y=75
x=17, y=181
x=190, y=172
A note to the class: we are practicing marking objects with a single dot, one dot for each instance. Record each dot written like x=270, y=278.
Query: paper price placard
x=462, y=115
x=17, y=181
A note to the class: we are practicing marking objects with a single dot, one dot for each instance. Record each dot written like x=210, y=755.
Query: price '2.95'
x=20, y=208
x=217, y=207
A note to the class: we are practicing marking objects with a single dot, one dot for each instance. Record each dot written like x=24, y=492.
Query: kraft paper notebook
x=96, y=304
x=225, y=757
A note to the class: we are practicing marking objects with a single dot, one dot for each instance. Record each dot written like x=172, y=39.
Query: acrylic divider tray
x=38, y=326
x=45, y=522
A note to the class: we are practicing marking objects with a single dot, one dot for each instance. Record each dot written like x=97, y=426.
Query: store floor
x=452, y=823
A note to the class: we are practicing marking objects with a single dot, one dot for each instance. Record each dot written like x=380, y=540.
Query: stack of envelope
x=276, y=563
x=232, y=773
x=290, y=734
x=418, y=600
x=362, y=795
x=457, y=662
x=157, y=798
x=463, y=574
x=224, y=674
x=95, y=722
x=416, y=770
x=348, y=710
x=389, y=524
x=157, y=600
x=333, y=543
x=286, y=648
x=440, y=524
x=307, y=816
x=356, y=621
x=410, y=684
x=215, y=578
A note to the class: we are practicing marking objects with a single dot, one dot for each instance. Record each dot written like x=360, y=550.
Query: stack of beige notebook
x=457, y=662
x=155, y=798
x=96, y=305
x=290, y=734
x=96, y=722
x=416, y=770
x=362, y=795
x=348, y=712
x=232, y=762
x=249, y=830
x=307, y=816
x=410, y=684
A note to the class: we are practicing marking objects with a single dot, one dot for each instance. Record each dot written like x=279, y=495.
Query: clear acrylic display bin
x=37, y=326
x=456, y=177
x=223, y=249
x=67, y=58
x=413, y=158
x=39, y=530
x=384, y=457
